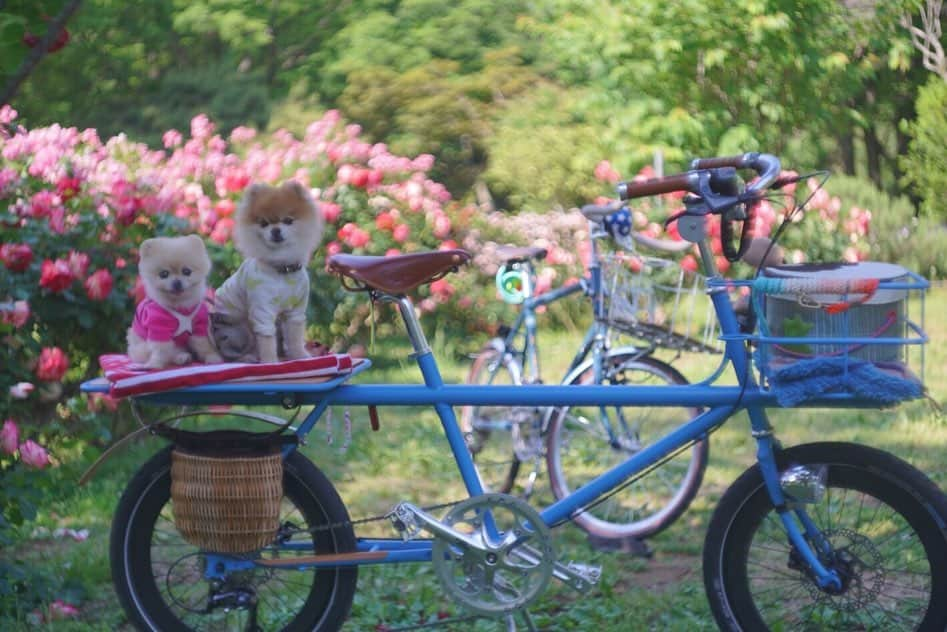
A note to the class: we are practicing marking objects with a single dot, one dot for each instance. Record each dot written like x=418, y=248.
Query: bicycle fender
x=109, y=453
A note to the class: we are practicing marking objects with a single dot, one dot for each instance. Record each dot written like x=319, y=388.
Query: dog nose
x=276, y=234
x=177, y=286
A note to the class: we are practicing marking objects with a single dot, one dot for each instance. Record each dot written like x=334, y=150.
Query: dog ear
x=198, y=242
x=297, y=188
x=145, y=248
x=252, y=193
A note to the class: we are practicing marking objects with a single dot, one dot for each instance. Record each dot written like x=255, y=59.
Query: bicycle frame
x=718, y=402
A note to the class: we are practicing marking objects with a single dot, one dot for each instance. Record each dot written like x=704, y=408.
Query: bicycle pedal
x=580, y=577
x=403, y=519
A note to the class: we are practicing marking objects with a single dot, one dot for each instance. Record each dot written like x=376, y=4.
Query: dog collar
x=288, y=268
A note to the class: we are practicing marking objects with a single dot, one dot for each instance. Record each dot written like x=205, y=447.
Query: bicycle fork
x=790, y=491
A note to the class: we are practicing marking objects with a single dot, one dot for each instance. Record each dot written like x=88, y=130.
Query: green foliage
x=925, y=165
x=543, y=152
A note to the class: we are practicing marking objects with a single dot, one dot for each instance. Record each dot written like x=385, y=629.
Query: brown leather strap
x=398, y=274
x=373, y=417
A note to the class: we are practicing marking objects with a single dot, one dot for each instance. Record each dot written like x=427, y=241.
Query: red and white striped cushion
x=128, y=378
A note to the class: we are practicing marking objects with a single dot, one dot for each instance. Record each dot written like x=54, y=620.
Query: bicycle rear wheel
x=159, y=577
x=579, y=448
x=489, y=430
x=885, y=526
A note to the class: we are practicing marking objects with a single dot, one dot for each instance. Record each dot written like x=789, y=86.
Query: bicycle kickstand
x=511, y=622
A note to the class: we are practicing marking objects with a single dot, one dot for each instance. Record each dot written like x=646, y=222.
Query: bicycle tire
x=886, y=522
x=166, y=594
x=492, y=448
x=577, y=451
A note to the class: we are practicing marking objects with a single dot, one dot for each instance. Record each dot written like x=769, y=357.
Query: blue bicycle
x=818, y=536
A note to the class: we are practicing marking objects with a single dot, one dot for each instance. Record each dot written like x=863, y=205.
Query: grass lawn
x=406, y=460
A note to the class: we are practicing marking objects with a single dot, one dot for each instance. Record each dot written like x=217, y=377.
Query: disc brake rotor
x=508, y=561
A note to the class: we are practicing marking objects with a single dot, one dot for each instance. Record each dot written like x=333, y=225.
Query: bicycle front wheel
x=884, y=526
x=490, y=431
x=584, y=441
x=159, y=577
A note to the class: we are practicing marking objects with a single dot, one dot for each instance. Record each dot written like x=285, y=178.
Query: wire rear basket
x=658, y=301
x=840, y=328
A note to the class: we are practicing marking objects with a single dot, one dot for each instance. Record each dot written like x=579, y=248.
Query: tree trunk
x=846, y=145
x=873, y=155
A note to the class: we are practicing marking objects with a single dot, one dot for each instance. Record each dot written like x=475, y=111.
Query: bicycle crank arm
x=579, y=577
x=409, y=521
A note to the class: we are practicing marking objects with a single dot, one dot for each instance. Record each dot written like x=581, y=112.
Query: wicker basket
x=226, y=489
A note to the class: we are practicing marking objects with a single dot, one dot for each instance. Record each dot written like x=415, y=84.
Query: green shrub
x=925, y=165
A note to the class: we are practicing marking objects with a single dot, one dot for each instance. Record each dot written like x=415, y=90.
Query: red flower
x=99, y=285
x=68, y=187
x=52, y=364
x=16, y=257
x=56, y=275
x=384, y=221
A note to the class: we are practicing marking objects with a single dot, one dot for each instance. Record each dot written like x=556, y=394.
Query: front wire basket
x=658, y=301
x=821, y=337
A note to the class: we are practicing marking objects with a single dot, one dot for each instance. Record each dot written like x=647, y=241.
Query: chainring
x=509, y=559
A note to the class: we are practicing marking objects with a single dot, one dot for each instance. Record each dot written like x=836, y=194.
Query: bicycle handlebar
x=697, y=179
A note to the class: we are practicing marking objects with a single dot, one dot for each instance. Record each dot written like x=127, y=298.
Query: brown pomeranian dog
x=259, y=313
x=171, y=323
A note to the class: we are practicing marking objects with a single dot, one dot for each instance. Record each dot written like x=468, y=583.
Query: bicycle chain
x=378, y=518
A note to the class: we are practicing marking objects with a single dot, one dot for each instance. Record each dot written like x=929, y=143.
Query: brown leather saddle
x=396, y=275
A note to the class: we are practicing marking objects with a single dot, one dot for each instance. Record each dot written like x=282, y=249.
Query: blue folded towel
x=809, y=379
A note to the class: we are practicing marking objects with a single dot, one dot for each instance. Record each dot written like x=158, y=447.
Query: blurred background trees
x=517, y=100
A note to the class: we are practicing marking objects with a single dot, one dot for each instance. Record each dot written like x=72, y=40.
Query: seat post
x=412, y=324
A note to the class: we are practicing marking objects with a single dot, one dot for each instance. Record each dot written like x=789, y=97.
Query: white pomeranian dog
x=171, y=325
x=259, y=313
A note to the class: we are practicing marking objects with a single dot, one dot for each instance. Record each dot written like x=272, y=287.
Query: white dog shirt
x=259, y=294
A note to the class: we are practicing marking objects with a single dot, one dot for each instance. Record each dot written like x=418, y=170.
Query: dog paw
x=182, y=357
x=213, y=358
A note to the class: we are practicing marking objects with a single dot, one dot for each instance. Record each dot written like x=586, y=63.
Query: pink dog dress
x=154, y=322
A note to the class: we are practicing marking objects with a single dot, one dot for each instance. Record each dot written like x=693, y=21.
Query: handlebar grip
x=655, y=186
x=721, y=161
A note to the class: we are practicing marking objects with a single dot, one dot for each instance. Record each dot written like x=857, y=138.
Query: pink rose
x=33, y=454
x=9, y=436
x=52, y=364
x=99, y=285
x=42, y=204
x=400, y=233
x=18, y=315
x=606, y=173
x=16, y=257
x=21, y=390
x=78, y=263
x=59, y=609
x=56, y=275
x=222, y=230
x=330, y=211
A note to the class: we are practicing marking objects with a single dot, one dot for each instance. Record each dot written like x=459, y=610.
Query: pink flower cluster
x=31, y=453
